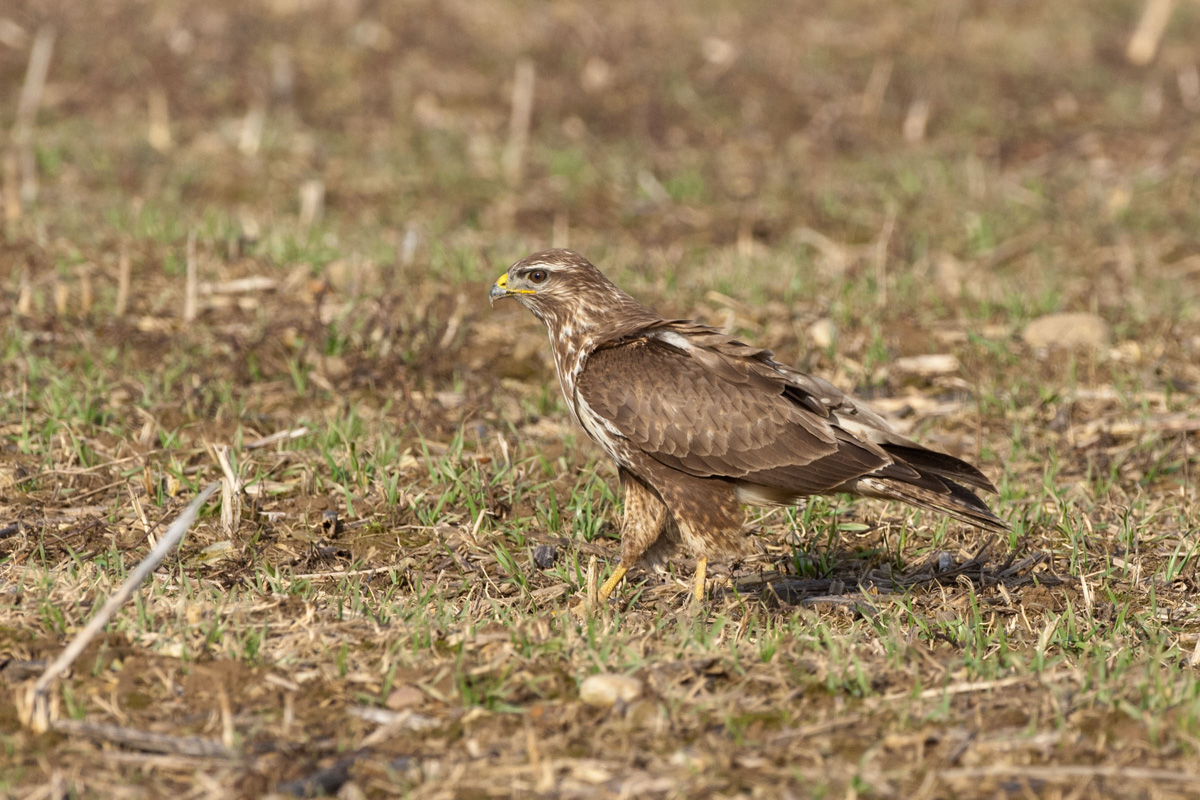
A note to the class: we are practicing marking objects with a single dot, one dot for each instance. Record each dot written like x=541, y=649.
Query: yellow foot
x=610, y=585
x=594, y=598
x=698, y=586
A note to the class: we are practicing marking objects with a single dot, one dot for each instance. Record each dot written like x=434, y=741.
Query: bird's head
x=556, y=284
x=573, y=298
x=552, y=277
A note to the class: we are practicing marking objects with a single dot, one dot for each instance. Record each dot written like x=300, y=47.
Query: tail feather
x=952, y=499
x=940, y=464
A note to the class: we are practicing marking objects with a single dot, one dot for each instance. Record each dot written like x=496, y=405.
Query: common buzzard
x=700, y=423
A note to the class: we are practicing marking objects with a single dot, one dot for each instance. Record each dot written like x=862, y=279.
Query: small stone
x=928, y=365
x=544, y=555
x=404, y=697
x=1068, y=330
x=605, y=689
x=822, y=333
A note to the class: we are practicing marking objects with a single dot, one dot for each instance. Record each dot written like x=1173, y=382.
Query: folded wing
x=702, y=403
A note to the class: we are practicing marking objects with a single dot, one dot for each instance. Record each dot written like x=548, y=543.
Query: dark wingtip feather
x=955, y=501
x=940, y=464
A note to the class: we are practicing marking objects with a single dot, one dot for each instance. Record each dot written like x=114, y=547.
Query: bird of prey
x=699, y=423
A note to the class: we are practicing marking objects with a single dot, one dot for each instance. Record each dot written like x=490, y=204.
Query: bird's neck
x=576, y=336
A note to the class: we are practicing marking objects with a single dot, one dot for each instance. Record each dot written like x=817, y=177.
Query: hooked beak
x=500, y=290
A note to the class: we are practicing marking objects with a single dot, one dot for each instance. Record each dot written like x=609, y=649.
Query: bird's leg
x=698, y=586
x=610, y=585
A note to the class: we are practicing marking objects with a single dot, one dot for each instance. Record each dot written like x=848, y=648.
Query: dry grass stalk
x=189, y=296
x=35, y=82
x=513, y=159
x=877, y=83
x=279, y=436
x=231, y=491
x=141, y=515
x=312, y=202
x=593, y=584
x=27, y=107
x=916, y=120
x=159, y=134
x=62, y=298
x=123, y=269
x=25, y=294
x=85, y=289
x=251, y=284
x=227, y=738
x=12, y=187
x=408, y=247
x=34, y=701
x=250, y=139
x=1153, y=23
x=455, y=321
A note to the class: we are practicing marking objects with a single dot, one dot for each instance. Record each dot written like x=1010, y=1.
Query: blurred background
x=856, y=173
x=1023, y=131
x=272, y=224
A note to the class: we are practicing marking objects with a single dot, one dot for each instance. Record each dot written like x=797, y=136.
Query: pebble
x=544, y=555
x=822, y=333
x=1074, y=329
x=605, y=689
x=927, y=365
x=404, y=697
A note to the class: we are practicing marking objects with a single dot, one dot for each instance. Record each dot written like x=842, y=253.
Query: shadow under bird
x=699, y=423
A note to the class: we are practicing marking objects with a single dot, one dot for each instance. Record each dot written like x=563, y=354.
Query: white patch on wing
x=672, y=338
x=753, y=494
x=870, y=487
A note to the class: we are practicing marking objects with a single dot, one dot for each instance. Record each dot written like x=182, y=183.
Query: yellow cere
x=502, y=282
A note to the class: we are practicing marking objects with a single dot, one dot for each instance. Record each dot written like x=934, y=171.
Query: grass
x=717, y=164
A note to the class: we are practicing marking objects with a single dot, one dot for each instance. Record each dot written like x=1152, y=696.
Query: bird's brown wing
x=702, y=403
x=737, y=361
x=709, y=413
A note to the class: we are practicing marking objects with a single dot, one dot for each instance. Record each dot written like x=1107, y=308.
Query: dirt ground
x=268, y=229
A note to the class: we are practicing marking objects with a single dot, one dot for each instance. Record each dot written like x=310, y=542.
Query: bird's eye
x=538, y=276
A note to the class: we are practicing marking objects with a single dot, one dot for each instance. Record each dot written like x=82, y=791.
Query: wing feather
x=709, y=413
x=702, y=403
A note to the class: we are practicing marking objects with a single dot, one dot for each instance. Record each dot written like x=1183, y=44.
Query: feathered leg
x=641, y=527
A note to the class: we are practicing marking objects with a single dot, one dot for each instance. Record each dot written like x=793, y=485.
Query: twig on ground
x=146, y=741
x=1062, y=772
x=279, y=436
x=36, y=706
